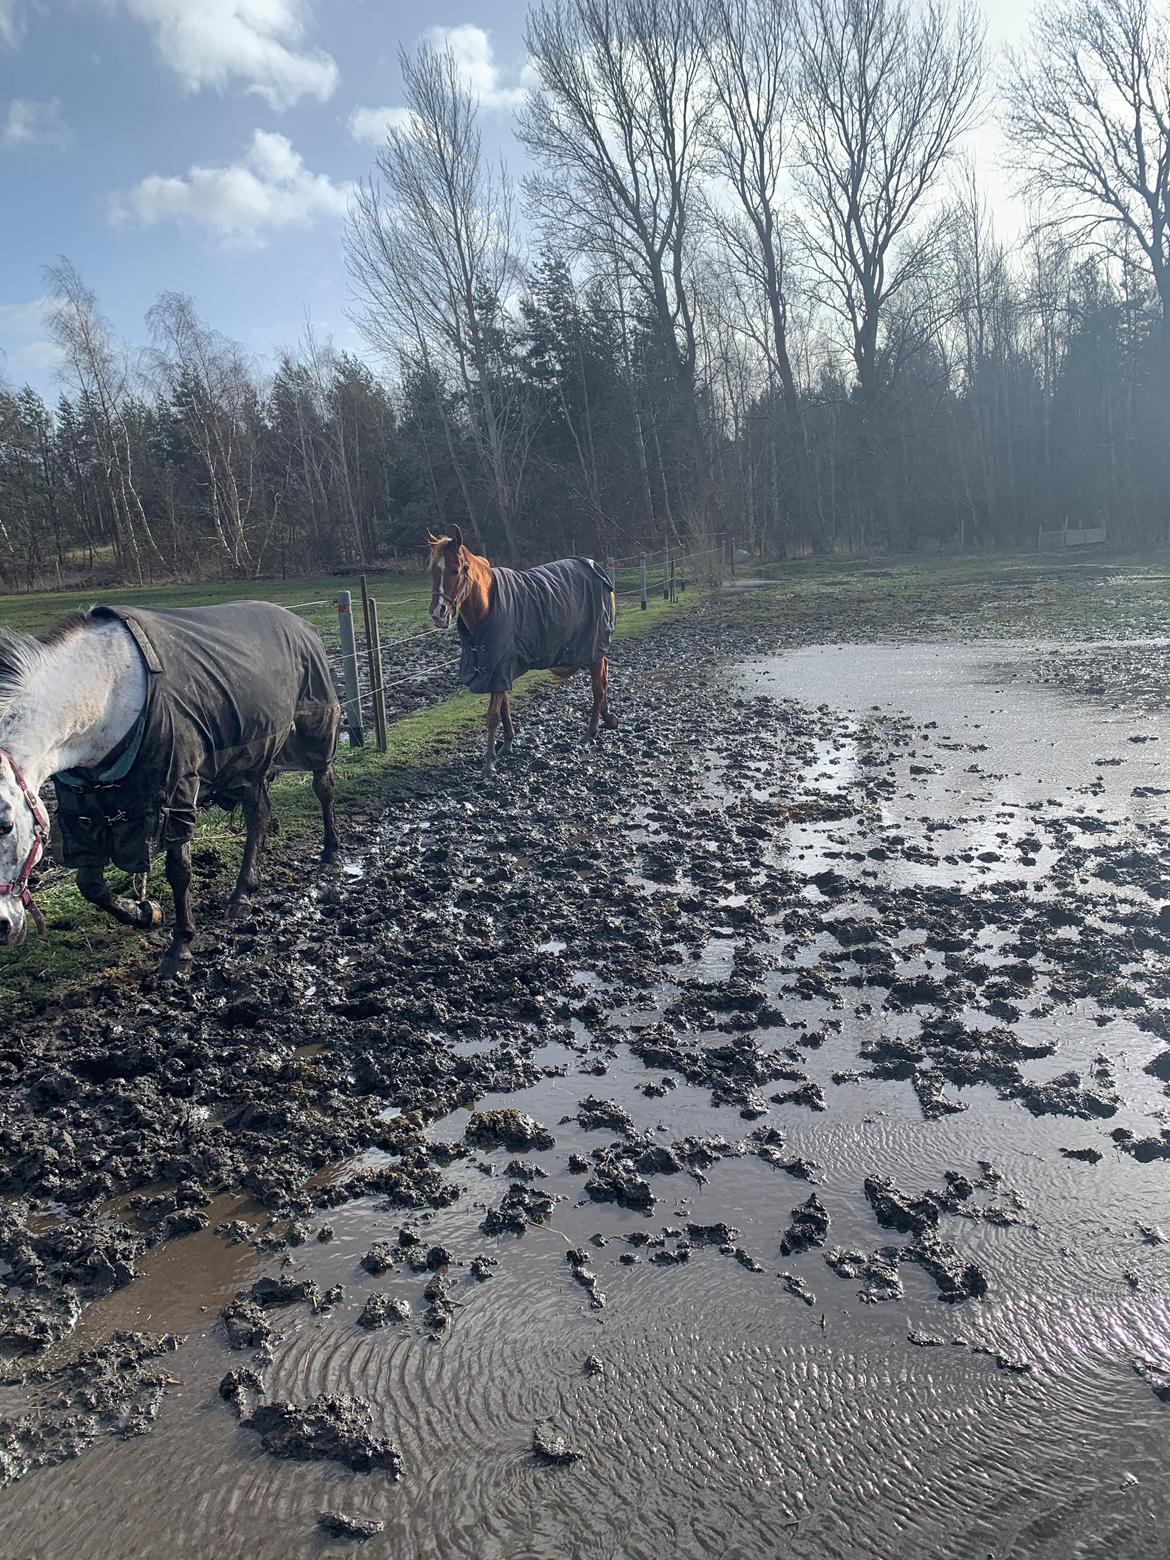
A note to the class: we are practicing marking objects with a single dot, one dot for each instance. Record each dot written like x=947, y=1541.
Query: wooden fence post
x=373, y=662
x=379, y=684
x=643, y=569
x=349, y=673
x=673, y=597
x=611, y=570
x=665, y=574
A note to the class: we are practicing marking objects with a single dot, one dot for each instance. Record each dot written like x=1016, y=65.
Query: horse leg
x=324, y=786
x=599, y=674
x=495, y=703
x=257, y=810
x=142, y=913
x=506, y=717
x=177, y=959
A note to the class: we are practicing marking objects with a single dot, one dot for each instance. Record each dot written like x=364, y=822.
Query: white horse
x=70, y=700
x=65, y=702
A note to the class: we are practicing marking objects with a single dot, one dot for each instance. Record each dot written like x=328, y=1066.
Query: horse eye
x=6, y=827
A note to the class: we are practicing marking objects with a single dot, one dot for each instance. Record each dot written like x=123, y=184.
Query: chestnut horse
x=558, y=616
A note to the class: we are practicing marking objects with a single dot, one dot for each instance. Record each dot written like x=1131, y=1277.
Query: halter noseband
x=19, y=884
x=463, y=578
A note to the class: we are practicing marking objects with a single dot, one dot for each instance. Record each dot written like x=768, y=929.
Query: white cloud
x=476, y=63
x=11, y=24
x=19, y=319
x=475, y=58
x=27, y=122
x=270, y=187
x=215, y=43
x=25, y=352
x=371, y=124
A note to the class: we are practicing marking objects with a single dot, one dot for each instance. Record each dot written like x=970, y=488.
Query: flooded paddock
x=840, y=997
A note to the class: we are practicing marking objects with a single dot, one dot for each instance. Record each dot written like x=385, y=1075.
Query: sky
x=208, y=147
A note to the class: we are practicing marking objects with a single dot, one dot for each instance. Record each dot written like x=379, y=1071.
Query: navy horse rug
x=557, y=615
x=234, y=693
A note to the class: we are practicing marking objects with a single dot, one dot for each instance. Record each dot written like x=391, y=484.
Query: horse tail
x=561, y=674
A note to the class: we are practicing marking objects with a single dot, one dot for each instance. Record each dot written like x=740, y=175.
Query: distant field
x=402, y=599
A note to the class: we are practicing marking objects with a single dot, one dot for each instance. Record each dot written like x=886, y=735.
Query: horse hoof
x=175, y=966
x=329, y=855
x=151, y=913
x=235, y=904
x=610, y=722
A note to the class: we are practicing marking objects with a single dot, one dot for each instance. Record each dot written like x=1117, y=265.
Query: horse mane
x=22, y=656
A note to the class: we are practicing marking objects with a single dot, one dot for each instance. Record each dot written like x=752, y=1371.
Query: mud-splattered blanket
x=233, y=693
x=559, y=614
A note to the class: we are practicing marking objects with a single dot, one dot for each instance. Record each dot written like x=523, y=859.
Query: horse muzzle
x=13, y=923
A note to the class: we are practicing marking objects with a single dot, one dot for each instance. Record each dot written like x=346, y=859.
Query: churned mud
x=748, y=1136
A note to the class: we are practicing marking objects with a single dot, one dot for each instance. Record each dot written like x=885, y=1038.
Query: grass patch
x=81, y=942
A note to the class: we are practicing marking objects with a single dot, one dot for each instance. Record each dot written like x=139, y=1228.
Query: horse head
x=24, y=830
x=450, y=576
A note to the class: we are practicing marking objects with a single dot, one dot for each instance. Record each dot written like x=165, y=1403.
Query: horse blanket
x=559, y=614
x=233, y=693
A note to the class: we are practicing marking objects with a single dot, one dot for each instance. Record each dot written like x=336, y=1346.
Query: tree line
x=750, y=285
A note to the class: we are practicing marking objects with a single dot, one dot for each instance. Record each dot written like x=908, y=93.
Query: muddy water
x=732, y=1419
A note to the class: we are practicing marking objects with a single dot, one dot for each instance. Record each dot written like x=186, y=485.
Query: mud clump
x=514, y=1130
x=269, y=1292
x=246, y=1325
x=808, y=1227
x=379, y=1259
x=343, y=1524
x=522, y=1205
x=381, y=1310
x=115, y=1390
x=333, y=1429
x=550, y=1444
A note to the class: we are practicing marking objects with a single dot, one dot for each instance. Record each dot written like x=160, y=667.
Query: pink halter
x=19, y=884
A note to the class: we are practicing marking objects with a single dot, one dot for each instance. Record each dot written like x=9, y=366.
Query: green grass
x=82, y=943
x=402, y=600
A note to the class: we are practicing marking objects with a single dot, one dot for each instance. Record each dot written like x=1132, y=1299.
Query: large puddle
x=730, y=1418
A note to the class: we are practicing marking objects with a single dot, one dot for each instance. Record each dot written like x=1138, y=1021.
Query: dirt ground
x=747, y=1136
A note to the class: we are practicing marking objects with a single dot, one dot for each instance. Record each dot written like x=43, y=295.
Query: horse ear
x=457, y=536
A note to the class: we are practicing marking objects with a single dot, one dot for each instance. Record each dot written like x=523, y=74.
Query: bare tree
x=749, y=47
x=616, y=128
x=886, y=90
x=432, y=255
x=1089, y=118
x=100, y=377
x=210, y=387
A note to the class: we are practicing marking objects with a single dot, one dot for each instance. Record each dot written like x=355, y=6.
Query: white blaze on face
x=441, y=611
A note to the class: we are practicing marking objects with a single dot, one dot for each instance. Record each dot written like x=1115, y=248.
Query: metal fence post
x=643, y=569
x=349, y=672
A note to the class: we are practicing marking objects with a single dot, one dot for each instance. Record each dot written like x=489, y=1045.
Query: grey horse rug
x=559, y=614
x=233, y=693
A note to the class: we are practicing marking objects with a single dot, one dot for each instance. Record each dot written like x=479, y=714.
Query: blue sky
x=205, y=147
